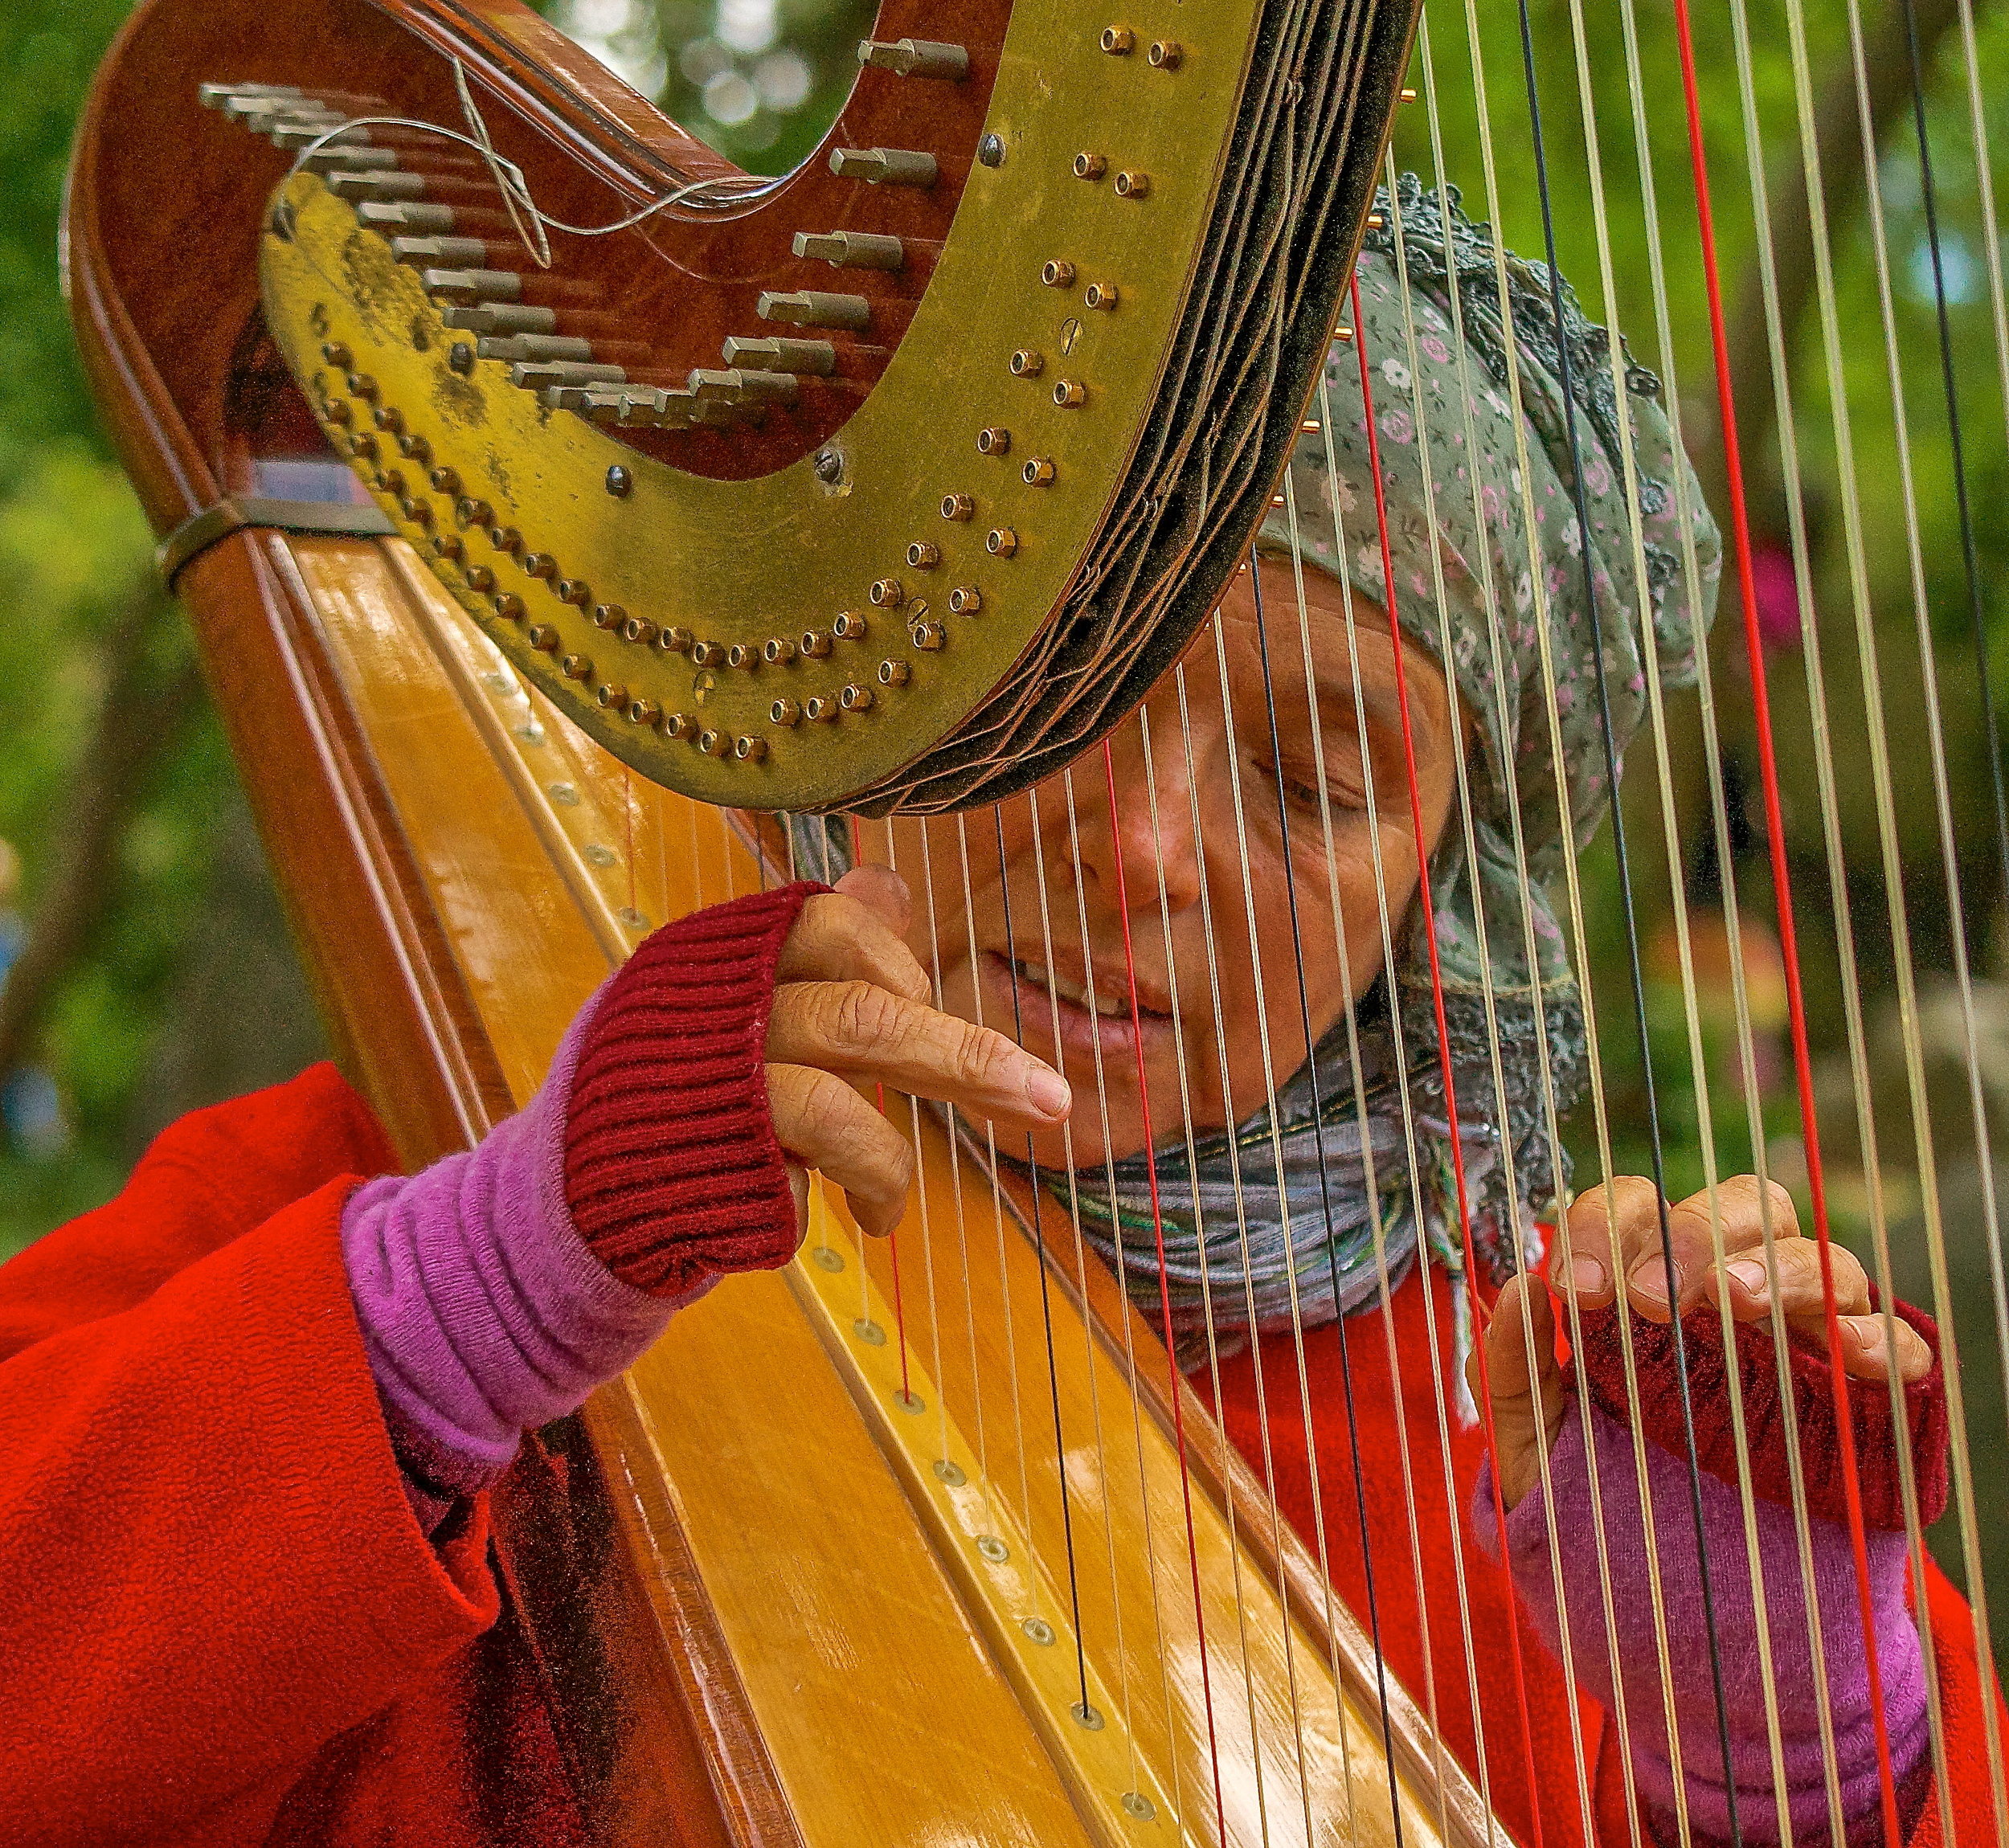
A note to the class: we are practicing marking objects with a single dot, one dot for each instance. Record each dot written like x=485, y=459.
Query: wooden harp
x=564, y=516
x=446, y=781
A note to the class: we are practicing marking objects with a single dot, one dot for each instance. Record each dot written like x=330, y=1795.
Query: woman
x=250, y=1412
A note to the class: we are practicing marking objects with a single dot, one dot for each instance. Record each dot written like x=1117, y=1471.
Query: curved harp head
x=891, y=485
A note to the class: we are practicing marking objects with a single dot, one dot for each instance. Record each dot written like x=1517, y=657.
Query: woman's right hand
x=853, y=1013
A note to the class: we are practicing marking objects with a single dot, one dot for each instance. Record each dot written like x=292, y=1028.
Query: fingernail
x=1750, y=1273
x=1587, y=1276
x=1650, y=1281
x=1048, y=1092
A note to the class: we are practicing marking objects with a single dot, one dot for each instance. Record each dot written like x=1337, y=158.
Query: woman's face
x=1190, y=874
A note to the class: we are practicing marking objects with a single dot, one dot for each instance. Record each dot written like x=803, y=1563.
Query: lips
x=1043, y=998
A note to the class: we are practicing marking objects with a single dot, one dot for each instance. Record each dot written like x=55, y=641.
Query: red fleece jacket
x=224, y=1625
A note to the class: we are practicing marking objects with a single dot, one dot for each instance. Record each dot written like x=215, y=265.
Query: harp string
x=1071, y=1167
x=1234, y=757
x=1676, y=860
x=1083, y=1260
x=1318, y=1140
x=1962, y=1465
x=1427, y=924
x=1427, y=1296
x=1046, y=1297
x=1464, y=807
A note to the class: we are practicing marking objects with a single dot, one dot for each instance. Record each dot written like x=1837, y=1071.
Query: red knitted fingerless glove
x=1765, y=1412
x=673, y=1175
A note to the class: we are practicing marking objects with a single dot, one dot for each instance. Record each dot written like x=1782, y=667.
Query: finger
x=1613, y=1217
x=1795, y=1282
x=838, y=937
x=1522, y=1381
x=799, y=1185
x=825, y=1124
x=862, y=1031
x=881, y=890
x=1866, y=1350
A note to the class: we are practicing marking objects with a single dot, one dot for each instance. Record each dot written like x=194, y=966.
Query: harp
x=538, y=572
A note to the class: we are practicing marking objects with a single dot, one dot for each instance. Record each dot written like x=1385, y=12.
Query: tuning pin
x=815, y=308
x=385, y=185
x=739, y=387
x=915, y=58
x=816, y=357
x=471, y=288
x=498, y=316
x=535, y=376
x=404, y=217
x=884, y=167
x=423, y=252
x=852, y=250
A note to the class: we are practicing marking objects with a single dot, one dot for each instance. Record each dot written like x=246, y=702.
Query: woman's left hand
x=1612, y=1235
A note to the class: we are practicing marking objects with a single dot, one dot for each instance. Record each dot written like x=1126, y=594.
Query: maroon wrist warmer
x=1766, y=1413
x=673, y=1175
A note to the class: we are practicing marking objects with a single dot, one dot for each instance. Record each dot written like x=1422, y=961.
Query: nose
x=1134, y=804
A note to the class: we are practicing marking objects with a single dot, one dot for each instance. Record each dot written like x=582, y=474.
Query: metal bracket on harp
x=236, y=513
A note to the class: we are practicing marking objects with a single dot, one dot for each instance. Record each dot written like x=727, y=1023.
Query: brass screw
x=607, y=616
x=887, y=594
x=676, y=640
x=848, y=626
x=638, y=630
x=816, y=644
x=362, y=444
x=856, y=698
x=577, y=667
x=742, y=655
x=778, y=650
x=447, y=545
x=544, y=638
x=361, y=385
x=965, y=600
x=643, y=712
x=389, y=419
x=473, y=513
x=420, y=514
x=1058, y=274
x=992, y=441
x=820, y=708
x=338, y=356
x=540, y=564
x=481, y=578
x=1089, y=167
x=506, y=539
x=415, y=449
x=574, y=590
x=679, y=725
x=337, y=410
x=1165, y=55
x=895, y=673
x=923, y=557
x=707, y=654
x=929, y=635
x=510, y=607
x=784, y=712
x=1101, y=295
x=445, y=480
x=1001, y=543
x=1027, y=364
x=1038, y=473
x=750, y=750
x=613, y=695
x=1132, y=185
x=1118, y=41
x=1068, y=392
x=714, y=743
x=957, y=507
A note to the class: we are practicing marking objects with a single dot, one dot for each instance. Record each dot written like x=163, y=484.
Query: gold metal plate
x=745, y=562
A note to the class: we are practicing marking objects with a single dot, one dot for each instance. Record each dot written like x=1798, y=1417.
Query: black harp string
x=1508, y=1154
x=1037, y=1219
x=1635, y=966
x=1325, y=1190
x=1976, y=612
